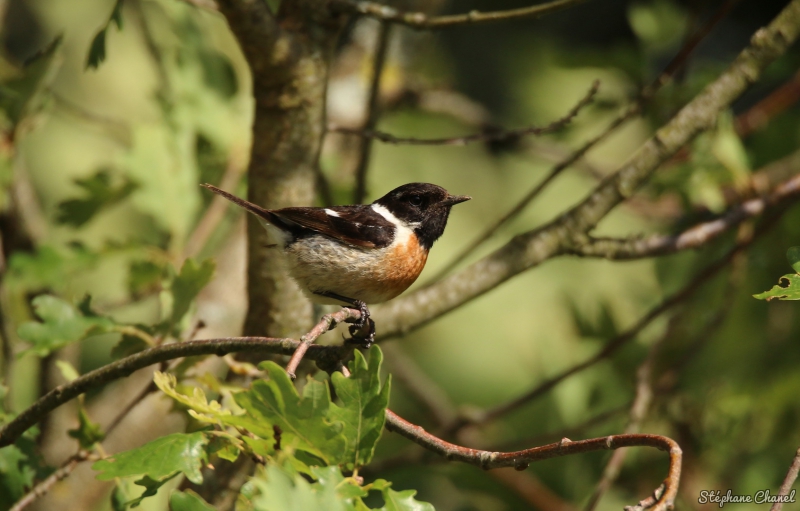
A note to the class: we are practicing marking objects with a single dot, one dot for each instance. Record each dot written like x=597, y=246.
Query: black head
x=423, y=207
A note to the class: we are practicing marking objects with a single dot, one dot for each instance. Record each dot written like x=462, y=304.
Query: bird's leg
x=363, y=330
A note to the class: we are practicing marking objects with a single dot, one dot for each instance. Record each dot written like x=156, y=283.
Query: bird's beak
x=452, y=200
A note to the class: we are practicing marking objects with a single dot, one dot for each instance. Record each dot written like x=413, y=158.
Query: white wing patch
x=331, y=212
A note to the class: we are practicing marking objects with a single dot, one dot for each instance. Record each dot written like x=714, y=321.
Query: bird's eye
x=415, y=200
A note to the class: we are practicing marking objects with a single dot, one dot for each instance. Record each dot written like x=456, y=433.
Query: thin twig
x=43, y=487
x=420, y=20
x=521, y=459
x=373, y=112
x=499, y=135
x=631, y=111
x=694, y=237
x=642, y=400
x=328, y=322
x=760, y=114
x=788, y=482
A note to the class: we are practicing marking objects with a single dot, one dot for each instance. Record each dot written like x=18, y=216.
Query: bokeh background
x=171, y=107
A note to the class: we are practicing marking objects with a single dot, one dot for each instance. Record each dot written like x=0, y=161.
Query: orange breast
x=403, y=265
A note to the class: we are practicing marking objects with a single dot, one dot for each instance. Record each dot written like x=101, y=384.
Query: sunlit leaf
x=197, y=402
x=178, y=452
x=403, y=501
x=363, y=409
x=304, y=422
x=279, y=491
x=791, y=291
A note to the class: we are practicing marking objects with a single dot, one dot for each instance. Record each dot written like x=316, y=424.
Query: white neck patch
x=402, y=229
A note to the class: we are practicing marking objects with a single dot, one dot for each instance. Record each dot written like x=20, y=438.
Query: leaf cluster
x=306, y=441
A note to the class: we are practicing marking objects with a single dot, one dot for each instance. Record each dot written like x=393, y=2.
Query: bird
x=358, y=254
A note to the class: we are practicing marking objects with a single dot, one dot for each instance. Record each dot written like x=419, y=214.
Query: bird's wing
x=356, y=225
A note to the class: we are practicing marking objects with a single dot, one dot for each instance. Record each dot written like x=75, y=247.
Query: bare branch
x=420, y=20
x=765, y=110
x=530, y=249
x=496, y=135
x=566, y=447
x=365, y=149
x=328, y=322
x=788, y=482
x=694, y=237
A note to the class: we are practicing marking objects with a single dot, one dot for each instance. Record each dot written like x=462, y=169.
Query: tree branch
x=419, y=20
x=530, y=249
x=694, y=237
x=788, y=482
x=494, y=135
x=288, y=54
x=11, y=431
x=664, y=499
x=62, y=472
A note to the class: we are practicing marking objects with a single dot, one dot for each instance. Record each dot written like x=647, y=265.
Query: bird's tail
x=260, y=212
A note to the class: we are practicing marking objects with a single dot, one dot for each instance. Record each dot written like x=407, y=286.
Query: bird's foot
x=362, y=330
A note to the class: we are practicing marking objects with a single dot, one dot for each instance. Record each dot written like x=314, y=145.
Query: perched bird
x=361, y=254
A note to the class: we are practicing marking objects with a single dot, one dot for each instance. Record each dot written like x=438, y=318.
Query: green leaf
x=88, y=433
x=47, y=268
x=15, y=475
x=188, y=501
x=304, y=422
x=144, y=276
x=99, y=192
x=279, y=491
x=22, y=96
x=403, y=501
x=789, y=292
x=178, y=452
x=187, y=285
x=61, y=324
x=363, y=409
x=151, y=487
x=793, y=255
x=97, y=50
x=116, y=14
x=67, y=370
x=198, y=403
